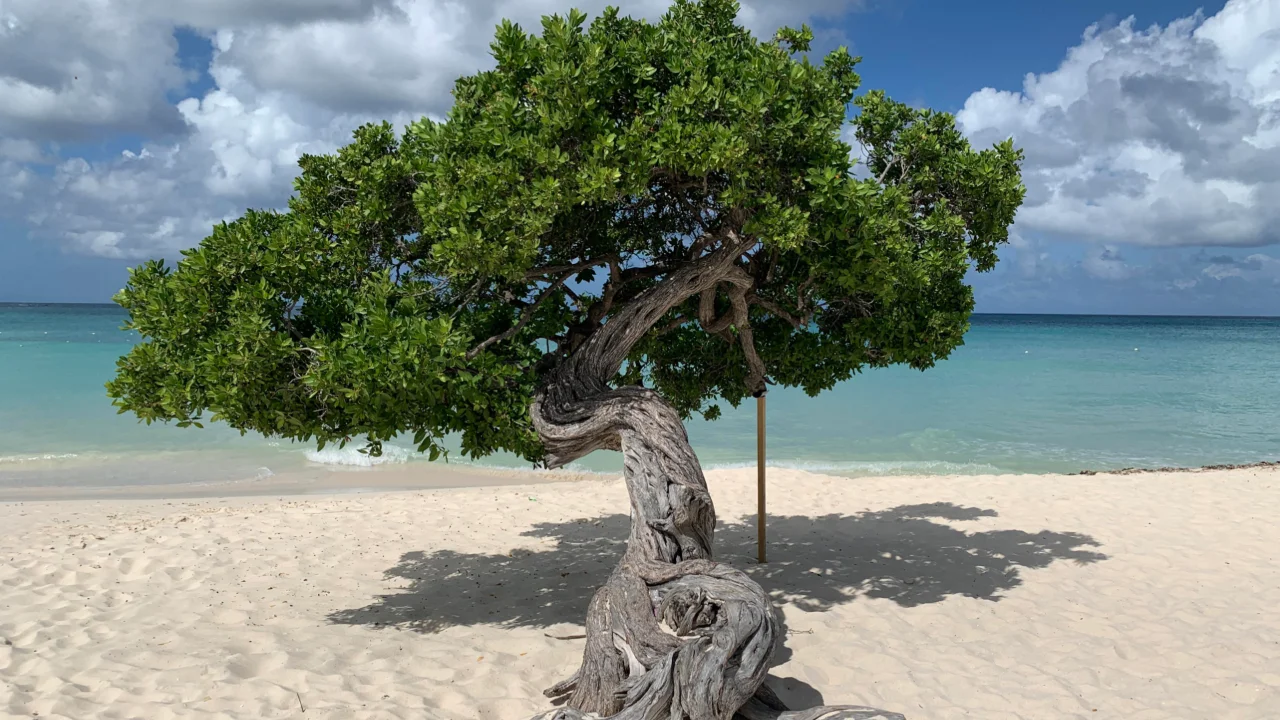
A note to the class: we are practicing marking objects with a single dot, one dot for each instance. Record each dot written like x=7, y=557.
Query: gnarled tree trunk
x=672, y=634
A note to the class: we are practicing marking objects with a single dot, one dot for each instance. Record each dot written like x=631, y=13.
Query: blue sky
x=1149, y=186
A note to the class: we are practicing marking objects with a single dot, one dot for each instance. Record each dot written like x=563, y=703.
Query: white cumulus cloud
x=1164, y=136
x=289, y=77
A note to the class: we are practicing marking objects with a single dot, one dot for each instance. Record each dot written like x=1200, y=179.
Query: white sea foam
x=21, y=459
x=573, y=470
x=351, y=456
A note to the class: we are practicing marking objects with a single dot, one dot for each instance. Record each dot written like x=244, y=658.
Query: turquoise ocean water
x=1026, y=394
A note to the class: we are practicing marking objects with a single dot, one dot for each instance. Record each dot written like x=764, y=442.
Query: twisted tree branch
x=740, y=283
x=777, y=310
x=573, y=269
x=676, y=322
x=525, y=317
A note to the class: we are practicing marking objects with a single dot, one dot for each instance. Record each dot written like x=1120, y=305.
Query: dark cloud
x=215, y=14
x=1099, y=185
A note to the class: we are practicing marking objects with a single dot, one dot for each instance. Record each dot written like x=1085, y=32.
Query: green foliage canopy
x=424, y=283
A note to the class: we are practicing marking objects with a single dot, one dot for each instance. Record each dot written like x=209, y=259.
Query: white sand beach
x=1141, y=597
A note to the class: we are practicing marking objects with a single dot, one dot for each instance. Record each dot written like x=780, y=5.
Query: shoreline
x=327, y=481
x=306, y=483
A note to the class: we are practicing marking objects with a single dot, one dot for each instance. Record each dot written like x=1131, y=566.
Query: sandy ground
x=1137, y=597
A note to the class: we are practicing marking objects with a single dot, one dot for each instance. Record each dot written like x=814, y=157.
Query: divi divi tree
x=619, y=226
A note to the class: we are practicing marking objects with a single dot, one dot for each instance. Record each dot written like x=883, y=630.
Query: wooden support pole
x=760, y=478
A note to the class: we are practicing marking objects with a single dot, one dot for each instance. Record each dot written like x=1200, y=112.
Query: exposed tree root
x=842, y=712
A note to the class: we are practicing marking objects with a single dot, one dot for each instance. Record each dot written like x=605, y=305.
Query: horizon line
x=22, y=303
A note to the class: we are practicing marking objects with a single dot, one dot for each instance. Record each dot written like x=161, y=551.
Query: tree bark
x=671, y=634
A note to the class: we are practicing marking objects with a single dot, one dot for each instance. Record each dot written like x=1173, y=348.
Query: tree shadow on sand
x=901, y=554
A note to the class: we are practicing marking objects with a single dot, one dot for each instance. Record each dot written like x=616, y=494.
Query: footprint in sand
x=132, y=566
x=250, y=665
x=228, y=616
